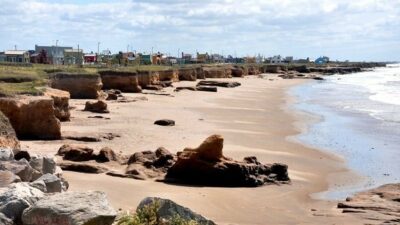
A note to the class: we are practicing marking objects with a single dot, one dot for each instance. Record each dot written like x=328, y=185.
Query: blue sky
x=355, y=30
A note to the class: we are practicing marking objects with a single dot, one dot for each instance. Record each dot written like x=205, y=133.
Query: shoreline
x=249, y=125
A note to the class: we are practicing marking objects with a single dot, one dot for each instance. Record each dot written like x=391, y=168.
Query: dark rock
x=82, y=138
x=165, y=122
x=153, y=87
x=112, y=96
x=168, y=210
x=206, y=88
x=185, y=88
x=99, y=106
x=84, y=167
x=106, y=154
x=52, y=182
x=22, y=155
x=206, y=165
x=75, y=152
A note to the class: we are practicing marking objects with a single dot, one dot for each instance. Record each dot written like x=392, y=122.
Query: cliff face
x=32, y=117
x=121, y=80
x=78, y=85
x=8, y=138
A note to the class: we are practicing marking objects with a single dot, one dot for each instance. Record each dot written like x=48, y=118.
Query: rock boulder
x=99, y=106
x=8, y=138
x=71, y=208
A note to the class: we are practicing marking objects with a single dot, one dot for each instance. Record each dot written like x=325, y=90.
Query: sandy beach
x=255, y=119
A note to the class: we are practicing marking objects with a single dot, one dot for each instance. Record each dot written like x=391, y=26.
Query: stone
x=168, y=209
x=20, y=168
x=153, y=87
x=32, y=117
x=4, y=220
x=111, y=96
x=62, y=209
x=6, y=154
x=80, y=86
x=228, y=84
x=39, y=184
x=206, y=88
x=165, y=122
x=83, y=167
x=106, y=154
x=168, y=75
x=185, y=88
x=8, y=137
x=7, y=178
x=206, y=165
x=99, y=106
x=52, y=182
x=15, y=198
x=49, y=165
x=75, y=152
x=61, y=103
x=22, y=155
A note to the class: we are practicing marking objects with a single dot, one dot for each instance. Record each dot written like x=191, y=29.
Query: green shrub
x=148, y=216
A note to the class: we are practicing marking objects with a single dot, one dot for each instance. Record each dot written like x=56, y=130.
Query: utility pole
x=98, y=52
x=78, y=56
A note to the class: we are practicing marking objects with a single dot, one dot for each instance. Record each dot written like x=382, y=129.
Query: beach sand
x=254, y=119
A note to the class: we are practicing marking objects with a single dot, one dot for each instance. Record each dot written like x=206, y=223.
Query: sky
x=358, y=30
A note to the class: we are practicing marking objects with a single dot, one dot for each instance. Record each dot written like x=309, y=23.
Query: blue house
x=322, y=60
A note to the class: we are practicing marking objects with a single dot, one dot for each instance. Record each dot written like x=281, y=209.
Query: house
x=288, y=59
x=90, y=58
x=186, y=58
x=302, y=60
x=217, y=58
x=145, y=59
x=322, y=60
x=2, y=57
x=55, y=54
x=276, y=59
x=171, y=60
x=73, y=56
x=17, y=56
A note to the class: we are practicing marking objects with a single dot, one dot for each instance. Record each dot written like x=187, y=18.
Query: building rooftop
x=15, y=52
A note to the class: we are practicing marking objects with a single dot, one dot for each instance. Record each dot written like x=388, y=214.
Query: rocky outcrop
x=217, y=72
x=237, y=71
x=228, y=84
x=80, y=86
x=83, y=167
x=168, y=210
x=20, y=168
x=381, y=204
x=125, y=81
x=206, y=165
x=165, y=122
x=61, y=103
x=198, y=88
x=71, y=208
x=98, y=106
x=148, y=78
x=75, y=152
x=200, y=73
x=253, y=70
x=8, y=138
x=106, y=154
x=274, y=68
x=149, y=164
x=32, y=117
x=169, y=75
x=189, y=74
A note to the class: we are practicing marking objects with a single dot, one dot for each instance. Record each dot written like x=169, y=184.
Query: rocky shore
x=31, y=183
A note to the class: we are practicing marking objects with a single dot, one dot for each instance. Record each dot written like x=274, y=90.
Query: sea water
x=360, y=121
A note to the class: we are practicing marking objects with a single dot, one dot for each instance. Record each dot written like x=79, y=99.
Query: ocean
x=359, y=121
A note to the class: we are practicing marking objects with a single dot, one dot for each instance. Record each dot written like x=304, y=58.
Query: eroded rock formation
x=61, y=103
x=121, y=80
x=8, y=138
x=81, y=86
x=206, y=165
x=32, y=117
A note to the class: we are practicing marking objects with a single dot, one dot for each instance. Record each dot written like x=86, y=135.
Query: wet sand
x=255, y=119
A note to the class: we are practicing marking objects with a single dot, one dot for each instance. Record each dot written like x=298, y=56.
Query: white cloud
x=289, y=27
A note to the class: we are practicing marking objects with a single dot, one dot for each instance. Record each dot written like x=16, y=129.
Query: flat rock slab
x=228, y=84
x=84, y=167
x=71, y=208
x=379, y=204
